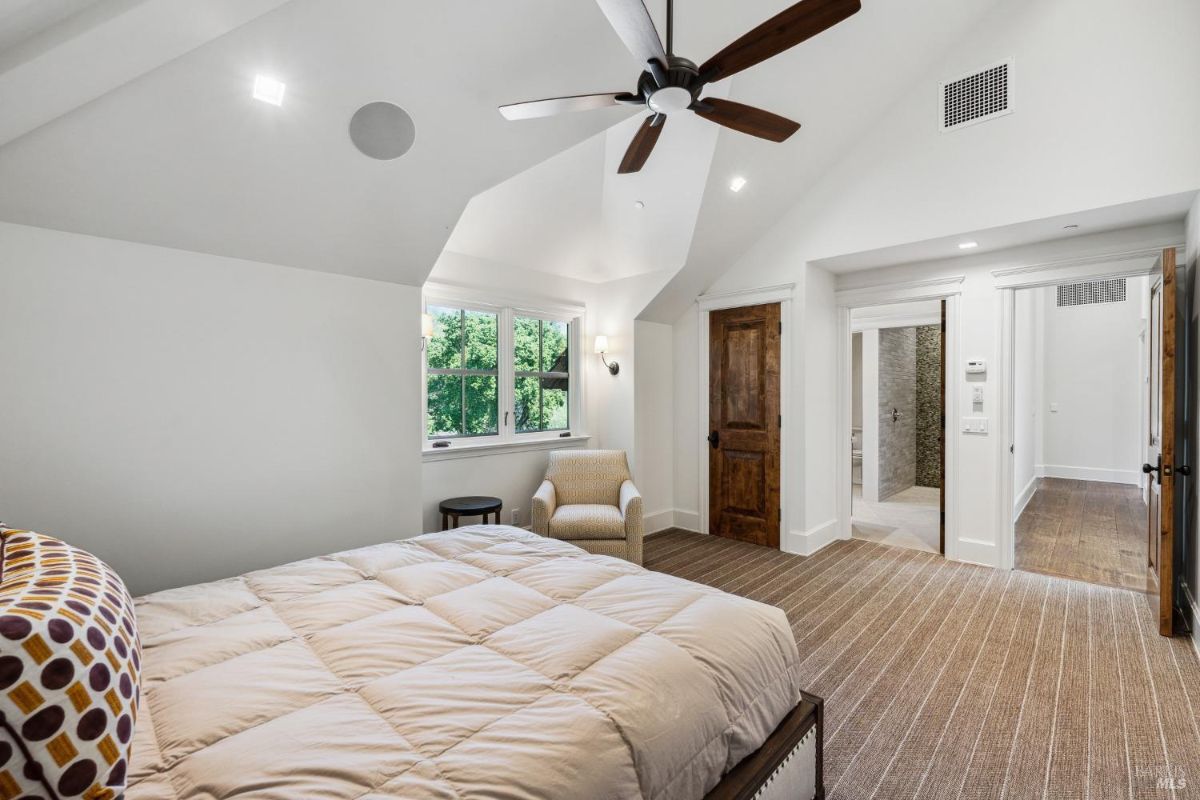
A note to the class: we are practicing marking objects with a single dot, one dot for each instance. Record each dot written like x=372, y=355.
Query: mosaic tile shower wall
x=929, y=406
x=897, y=410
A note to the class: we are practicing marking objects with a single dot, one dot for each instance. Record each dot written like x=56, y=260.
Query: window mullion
x=506, y=390
x=462, y=380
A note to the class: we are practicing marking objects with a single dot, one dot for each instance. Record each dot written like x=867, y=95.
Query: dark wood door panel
x=744, y=482
x=744, y=358
x=745, y=349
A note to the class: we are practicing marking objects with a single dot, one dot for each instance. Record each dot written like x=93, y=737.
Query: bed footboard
x=789, y=764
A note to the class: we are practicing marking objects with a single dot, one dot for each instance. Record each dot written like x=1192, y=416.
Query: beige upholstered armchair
x=589, y=500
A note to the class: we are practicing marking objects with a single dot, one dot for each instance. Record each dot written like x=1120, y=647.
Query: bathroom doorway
x=897, y=415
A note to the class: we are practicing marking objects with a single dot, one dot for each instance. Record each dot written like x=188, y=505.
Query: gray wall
x=897, y=390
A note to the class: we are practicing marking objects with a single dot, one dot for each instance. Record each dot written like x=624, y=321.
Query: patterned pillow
x=69, y=661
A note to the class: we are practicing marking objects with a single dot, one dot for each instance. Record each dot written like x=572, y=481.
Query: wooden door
x=1165, y=471
x=744, y=423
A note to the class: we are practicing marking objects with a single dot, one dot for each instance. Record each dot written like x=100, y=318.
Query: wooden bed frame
x=788, y=765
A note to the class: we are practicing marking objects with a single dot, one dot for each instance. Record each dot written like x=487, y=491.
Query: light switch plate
x=975, y=425
x=977, y=394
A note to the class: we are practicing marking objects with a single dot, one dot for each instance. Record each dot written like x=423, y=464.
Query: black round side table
x=457, y=507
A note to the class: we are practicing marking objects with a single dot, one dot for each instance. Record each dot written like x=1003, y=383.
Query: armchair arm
x=631, y=510
x=544, y=503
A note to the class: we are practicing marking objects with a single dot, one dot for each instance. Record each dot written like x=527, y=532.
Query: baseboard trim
x=1024, y=497
x=806, y=543
x=687, y=520
x=1195, y=620
x=973, y=551
x=1126, y=476
x=657, y=521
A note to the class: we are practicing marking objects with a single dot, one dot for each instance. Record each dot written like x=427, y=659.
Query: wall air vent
x=976, y=97
x=1085, y=294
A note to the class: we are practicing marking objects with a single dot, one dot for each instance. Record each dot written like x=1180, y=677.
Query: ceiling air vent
x=1085, y=294
x=977, y=97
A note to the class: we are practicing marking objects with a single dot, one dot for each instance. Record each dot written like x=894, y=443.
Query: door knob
x=1184, y=470
x=714, y=439
x=1146, y=468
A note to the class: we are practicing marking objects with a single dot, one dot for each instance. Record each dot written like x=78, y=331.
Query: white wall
x=688, y=437
x=820, y=402
x=611, y=399
x=1092, y=375
x=1027, y=369
x=653, y=423
x=188, y=417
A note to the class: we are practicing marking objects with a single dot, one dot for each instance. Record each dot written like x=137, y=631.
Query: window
x=499, y=375
x=462, y=384
x=541, y=355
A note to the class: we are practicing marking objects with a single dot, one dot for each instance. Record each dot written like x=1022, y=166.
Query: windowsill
x=478, y=450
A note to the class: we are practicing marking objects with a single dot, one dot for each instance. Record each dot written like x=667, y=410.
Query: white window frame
x=507, y=438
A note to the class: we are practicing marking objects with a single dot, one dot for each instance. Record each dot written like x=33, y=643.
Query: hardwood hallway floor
x=1093, y=532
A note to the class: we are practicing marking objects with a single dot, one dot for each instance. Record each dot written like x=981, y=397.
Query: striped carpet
x=947, y=680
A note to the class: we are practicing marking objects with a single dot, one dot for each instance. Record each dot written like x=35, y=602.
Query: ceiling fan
x=670, y=84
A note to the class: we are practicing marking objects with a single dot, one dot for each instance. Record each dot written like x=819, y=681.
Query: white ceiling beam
x=104, y=47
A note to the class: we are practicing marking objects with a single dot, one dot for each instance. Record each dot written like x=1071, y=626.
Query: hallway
x=1089, y=531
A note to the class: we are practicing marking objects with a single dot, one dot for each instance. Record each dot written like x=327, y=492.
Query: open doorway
x=1081, y=403
x=897, y=425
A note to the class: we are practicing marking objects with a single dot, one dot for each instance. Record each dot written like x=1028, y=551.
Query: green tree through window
x=541, y=360
x=462, y=397
x=468, y=363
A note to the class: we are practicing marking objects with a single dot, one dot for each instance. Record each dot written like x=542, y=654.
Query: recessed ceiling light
x=737, y=184
x=967, y=245
x=639, y=205
x=268, y=90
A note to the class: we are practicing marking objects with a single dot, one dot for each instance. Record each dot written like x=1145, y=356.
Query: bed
x=481, y=662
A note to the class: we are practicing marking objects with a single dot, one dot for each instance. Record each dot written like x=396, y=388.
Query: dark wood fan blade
x=747, y=119
x=781, y=32
x=562, y=105
x=642, y=145
x=632, y=22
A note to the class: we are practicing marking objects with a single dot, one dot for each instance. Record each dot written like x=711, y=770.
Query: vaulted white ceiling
x=20, y=20
x=182, y=156
x=573, y=215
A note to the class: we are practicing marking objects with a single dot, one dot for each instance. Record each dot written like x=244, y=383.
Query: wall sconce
x=426, y=329
x=601, y=347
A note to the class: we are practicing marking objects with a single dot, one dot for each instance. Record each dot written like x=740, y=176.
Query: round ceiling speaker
x=382, y=130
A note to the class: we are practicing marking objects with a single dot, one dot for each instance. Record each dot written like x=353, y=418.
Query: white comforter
x=482, y=662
